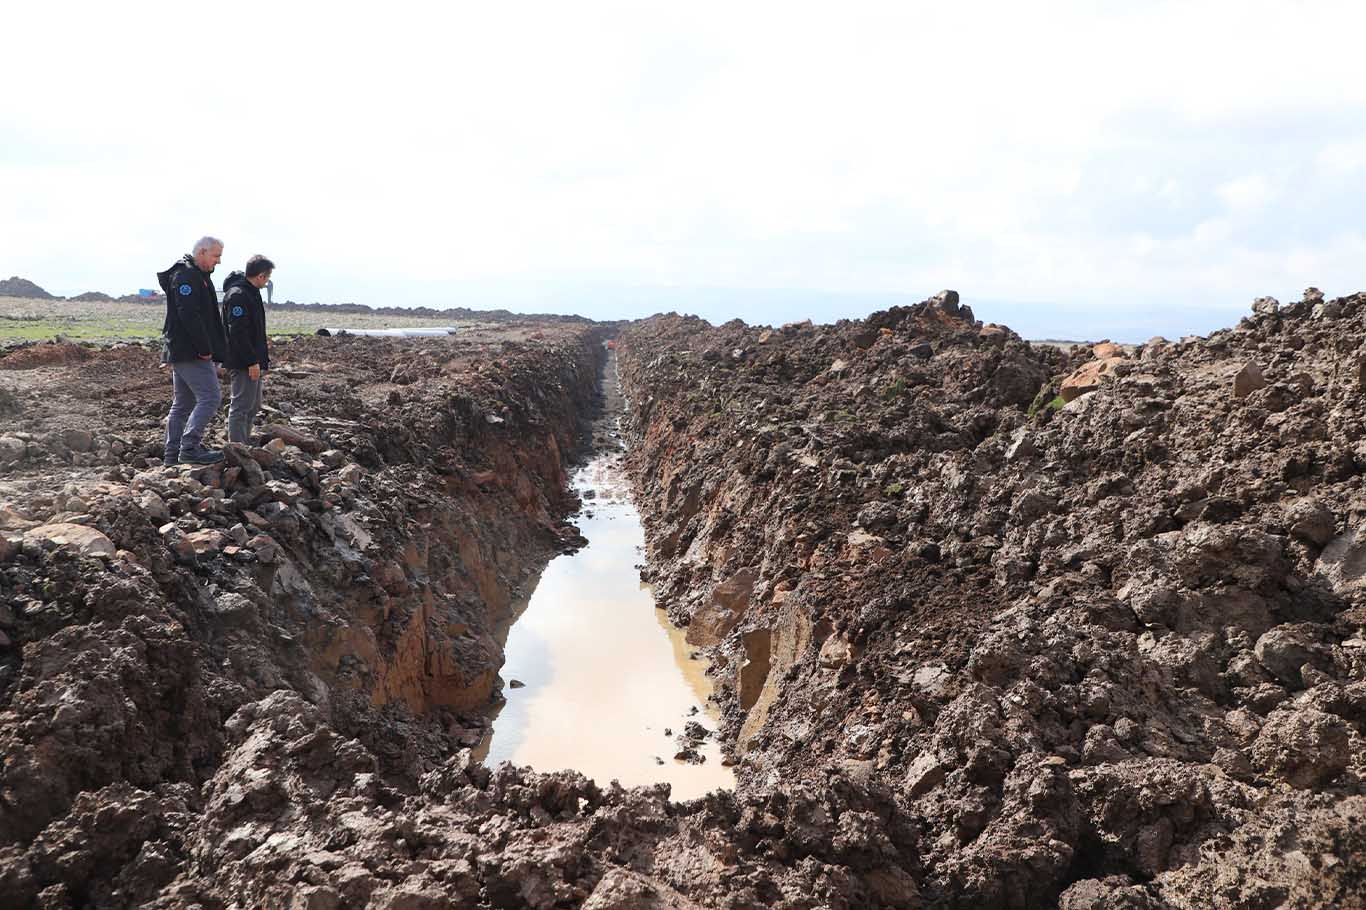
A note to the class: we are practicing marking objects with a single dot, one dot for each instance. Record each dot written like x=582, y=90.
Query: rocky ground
x=1086, y=624
x=994, y=624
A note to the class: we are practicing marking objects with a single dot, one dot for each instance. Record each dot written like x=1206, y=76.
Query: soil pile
x=982, y=643
x=1095, y=649
x=15, y=286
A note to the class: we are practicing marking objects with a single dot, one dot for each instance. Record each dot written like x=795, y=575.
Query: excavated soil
x=991, y=624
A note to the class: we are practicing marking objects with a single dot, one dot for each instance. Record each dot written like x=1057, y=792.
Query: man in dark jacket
x=194, y=338
x=248, y=352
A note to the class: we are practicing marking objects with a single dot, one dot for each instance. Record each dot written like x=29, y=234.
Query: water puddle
x=604, y=673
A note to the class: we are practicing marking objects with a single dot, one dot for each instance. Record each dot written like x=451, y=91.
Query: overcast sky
x=1073, y=169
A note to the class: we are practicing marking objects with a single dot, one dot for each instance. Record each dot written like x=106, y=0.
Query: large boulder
x=86, y=541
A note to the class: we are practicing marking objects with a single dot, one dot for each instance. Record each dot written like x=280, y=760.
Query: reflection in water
x=605, y=672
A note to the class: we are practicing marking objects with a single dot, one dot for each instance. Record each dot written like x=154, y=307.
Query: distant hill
x=93, y=297
x=22, y=287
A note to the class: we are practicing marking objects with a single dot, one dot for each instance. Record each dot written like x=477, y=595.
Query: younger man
x=248, y=354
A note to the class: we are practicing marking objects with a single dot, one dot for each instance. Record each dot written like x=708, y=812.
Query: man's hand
x=205, y=356
x=254, y=372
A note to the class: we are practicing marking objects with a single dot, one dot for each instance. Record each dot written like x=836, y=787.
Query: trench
x=596, y=677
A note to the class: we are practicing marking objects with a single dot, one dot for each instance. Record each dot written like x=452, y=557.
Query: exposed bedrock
x=1092, y=618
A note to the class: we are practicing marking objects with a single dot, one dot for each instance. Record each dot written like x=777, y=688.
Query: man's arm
x=186, y=296
x=239, y=318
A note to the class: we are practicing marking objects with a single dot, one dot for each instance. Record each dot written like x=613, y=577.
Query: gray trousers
x=246, y=401
x=194, y=400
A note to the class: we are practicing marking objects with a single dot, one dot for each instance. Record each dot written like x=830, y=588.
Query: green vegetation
x=894, y=389
x=1042, y=402
x=26, y=319
x=893, y=489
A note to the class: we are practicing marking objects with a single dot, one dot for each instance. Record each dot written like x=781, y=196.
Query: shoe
x=200, y=456
x=169, y=461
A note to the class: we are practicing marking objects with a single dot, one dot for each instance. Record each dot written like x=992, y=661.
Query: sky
x=1076, y=170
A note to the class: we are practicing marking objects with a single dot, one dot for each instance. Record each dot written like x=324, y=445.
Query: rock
x=1313, y=296
x=1088, y=377
x=836, y=652
x=516, y=684
x=291, y=436
x=86, y=541
x=12, y=450
x=1327, y=311
x=925, y=773
x=1106, y=350
x=78, y=440
x=1266, y=306
x=351, y=474
x=1302, y=746
x=1308, y=520
x=839, y=366
x=1021, y=445
x=205, y=541
x=1284, y=650
x=1248, y=380
x=719, y=615
x=8, y=549
x=622, y=889
x=265, y=548
x=946, y=301
x=154, y=506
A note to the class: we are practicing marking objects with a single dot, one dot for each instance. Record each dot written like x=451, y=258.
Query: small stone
x=208, y=540
x=288, y=435
x=78, y=440
x=516, y=684
x=1248, y=380
x=265, y=548
x=1311, y=522
x=1266, y=306
x=351, y=474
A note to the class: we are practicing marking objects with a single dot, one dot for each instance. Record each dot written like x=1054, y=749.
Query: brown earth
x=974, y=649
x=1104, y=655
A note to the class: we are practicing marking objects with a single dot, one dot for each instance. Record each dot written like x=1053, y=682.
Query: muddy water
x=605, y=674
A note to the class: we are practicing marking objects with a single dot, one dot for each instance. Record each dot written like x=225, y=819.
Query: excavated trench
x=600, y=681
x=970, y=647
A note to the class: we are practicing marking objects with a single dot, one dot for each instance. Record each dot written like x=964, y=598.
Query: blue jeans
x=195, y=399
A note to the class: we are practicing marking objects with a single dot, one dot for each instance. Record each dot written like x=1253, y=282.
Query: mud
x=976, y=643
x=1100, y=653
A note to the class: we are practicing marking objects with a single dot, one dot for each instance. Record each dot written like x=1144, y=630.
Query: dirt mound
x=977, y=644
x=1100, y=650
x=93, y=297
x=22, y=287
x=44, y=355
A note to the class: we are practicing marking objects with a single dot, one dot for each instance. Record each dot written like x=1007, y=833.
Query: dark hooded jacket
x=192, y=328
x=245, y=316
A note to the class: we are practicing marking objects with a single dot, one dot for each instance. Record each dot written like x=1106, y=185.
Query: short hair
x=258, y=264
x=206, y=243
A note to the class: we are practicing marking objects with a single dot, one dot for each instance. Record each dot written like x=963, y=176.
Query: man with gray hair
x=194, y=341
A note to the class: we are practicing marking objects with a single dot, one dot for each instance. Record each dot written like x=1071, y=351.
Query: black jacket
x=245, y=316
x=192, y=327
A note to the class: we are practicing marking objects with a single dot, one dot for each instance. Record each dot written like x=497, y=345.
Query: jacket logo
x=185, y=290
x=237, y=311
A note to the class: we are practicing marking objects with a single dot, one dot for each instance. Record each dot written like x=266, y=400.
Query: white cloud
x=1247, y=194
x=880, y=147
